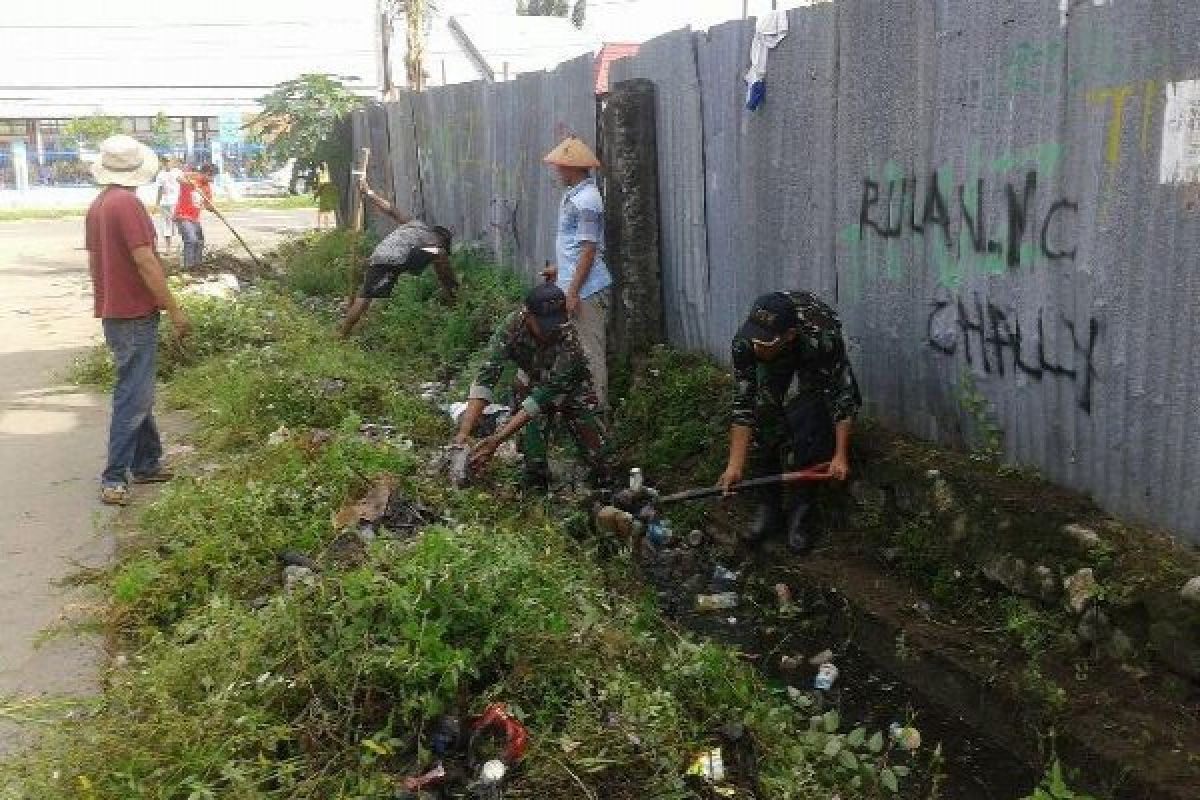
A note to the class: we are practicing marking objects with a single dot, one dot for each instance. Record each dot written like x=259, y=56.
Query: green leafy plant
x=299, y=115
x=987, y=438
x=1054, y=786
x=90, y=131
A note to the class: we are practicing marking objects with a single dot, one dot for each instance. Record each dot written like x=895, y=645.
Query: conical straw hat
x=572, y=153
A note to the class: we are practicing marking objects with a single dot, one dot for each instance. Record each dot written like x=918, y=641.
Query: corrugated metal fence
x=1006, y=190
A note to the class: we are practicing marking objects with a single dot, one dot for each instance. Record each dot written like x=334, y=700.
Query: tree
x=554, y=8
x=90, y=131
x=160, y=132
x=299, y=116
x=543, y=8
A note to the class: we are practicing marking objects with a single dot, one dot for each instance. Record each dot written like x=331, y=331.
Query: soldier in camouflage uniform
x=794, y=401
x=552, y=378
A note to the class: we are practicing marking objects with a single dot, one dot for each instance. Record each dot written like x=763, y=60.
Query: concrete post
x=630, y=156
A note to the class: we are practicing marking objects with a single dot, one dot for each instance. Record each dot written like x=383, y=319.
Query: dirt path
x=51, y=449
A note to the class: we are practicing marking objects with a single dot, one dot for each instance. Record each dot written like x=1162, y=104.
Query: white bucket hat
x=124, y=161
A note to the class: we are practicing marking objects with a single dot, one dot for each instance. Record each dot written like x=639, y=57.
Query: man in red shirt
x=195, y=192
x=130, y=290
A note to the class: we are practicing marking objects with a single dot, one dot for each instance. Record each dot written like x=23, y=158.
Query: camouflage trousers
x=791, y=438
x=582, y=420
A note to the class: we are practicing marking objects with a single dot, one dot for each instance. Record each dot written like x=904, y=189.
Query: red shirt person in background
x=195, y=192
x=130, y=290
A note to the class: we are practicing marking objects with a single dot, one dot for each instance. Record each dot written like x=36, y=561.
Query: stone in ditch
x=695, y=538
x=1081, y=534
x=1008, y=571
x=1191, y=590
x=1081, y=588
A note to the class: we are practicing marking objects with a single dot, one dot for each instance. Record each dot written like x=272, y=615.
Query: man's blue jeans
x=192, y=234
x=133, y=442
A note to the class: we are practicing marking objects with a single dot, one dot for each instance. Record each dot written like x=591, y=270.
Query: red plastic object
x=515, y=736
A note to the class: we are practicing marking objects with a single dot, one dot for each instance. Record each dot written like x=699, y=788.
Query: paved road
x=51, y=449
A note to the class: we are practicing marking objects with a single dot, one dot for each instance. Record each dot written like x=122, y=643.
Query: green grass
x=291, y=201
x=235, y=688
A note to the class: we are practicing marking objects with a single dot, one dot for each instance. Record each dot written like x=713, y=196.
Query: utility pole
x=745, y=8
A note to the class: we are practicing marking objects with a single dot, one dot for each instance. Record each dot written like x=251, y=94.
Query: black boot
x=801, y=537
x=768, y=521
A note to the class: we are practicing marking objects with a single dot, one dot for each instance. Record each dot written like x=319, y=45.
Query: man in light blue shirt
x=579, y=247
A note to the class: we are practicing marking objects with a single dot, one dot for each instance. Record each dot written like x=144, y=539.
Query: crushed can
x=716, y=602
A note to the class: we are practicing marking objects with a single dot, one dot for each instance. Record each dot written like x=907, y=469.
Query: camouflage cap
x=548, y=305
x=772, y=316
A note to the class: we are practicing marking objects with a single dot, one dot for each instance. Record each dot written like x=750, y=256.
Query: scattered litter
x=454, y=460
x=716, y=602
x=789, y=663
x=708, y=765
x=823, y=657
x=492, y=419
x=420, y=782
x=294, y=576
x=328, y=387
x=279, y=436
x=724, y=575
x=432, y=390
x=783, y=595
x=659, y=533
x=384, y=507
x=222, y=286
x=933, y=474
x=370, y=508
x=827, y=675
x=611, y=519
x=290, y=558
x=494, y=728
x=695, y=538
x=731, y=621
x=636, y=479
x=906, y=737
x=446, y=735
x=379, y=433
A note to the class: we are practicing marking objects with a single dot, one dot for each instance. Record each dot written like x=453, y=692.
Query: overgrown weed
x=237, y=688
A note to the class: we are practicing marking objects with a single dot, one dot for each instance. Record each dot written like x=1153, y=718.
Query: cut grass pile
x=232, y=687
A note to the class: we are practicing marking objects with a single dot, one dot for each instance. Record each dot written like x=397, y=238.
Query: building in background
x=201, y=66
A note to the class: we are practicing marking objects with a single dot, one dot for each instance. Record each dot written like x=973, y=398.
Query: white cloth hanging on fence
x=770, y=29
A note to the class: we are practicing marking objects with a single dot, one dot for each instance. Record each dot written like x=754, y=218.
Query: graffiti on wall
x=999, y=342
x=1001, y=216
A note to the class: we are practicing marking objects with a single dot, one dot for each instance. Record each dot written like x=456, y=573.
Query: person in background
x=166, y=198
x=326, y=194
x=552, y=379
x=194, y=194
x=581, y=272
x=130, y=290
x=411, y=247
x=794, y=402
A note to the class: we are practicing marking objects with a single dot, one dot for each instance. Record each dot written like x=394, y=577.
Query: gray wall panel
x=1030, y=255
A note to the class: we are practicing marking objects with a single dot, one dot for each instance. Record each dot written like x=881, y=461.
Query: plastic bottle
x=826, y=676
x=716, y=602
x=636, y=479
